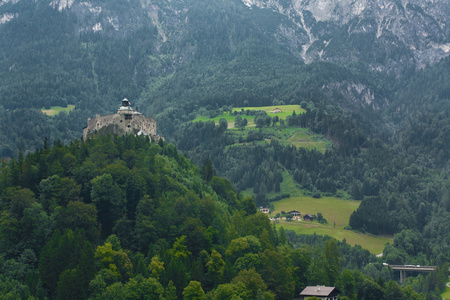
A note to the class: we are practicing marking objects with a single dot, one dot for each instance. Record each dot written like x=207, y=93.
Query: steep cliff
x=386, y=34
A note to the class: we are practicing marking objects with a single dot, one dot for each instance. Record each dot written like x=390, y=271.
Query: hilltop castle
x=125, y=121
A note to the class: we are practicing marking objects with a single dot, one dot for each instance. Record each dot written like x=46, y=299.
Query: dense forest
x=400, y=190
x=123, y=218
x=136, y=218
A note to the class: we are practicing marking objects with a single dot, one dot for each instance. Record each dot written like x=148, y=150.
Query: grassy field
x=299, y=137
x=446, y=294
x=305, y=139
x=54, y=110
x=337, y=212
x=287, y=110
x=375, y=244
x=229, y=118
x=334, y=209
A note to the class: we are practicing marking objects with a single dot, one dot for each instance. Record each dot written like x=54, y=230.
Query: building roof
x=126, y=107
x=319, y=291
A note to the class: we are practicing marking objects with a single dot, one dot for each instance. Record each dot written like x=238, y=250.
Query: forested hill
x=372, y=80
x=123, y=218
x=172, y=59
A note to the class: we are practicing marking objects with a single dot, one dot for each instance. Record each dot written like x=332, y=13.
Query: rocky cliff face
x=404, y=31
x=385, y=34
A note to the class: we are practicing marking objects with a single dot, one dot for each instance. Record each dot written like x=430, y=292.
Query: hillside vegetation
x=375, y=128
x=271, y=126
x=54, y=110
x=123, y=218
x=335, y=210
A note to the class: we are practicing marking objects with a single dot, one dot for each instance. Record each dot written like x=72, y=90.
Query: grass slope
x=446, y=294
x=304, y=138
x=375, y=244
x=337, y=212
x=299, y=137
x=54, y=110
x=286, y=110
x=333, y=209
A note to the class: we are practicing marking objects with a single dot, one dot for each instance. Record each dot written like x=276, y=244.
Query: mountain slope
x=173, y=59
x=372, y=76
x=406, y=32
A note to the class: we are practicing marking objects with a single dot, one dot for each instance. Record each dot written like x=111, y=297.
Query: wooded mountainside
x=380, y=96
x=123, y=218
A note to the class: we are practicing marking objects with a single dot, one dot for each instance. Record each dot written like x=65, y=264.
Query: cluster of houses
x=291, y=215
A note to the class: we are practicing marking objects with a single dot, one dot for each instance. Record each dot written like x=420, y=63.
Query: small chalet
x=276, y=110
x=295, y=214
x=308, y=218
x=264, y=210
x=321, y=292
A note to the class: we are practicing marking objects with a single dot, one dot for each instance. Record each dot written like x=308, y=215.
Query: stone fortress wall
x=125, y=121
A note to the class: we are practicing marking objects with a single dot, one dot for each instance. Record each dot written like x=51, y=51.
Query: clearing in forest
x=335, y=209
x=337, y=212
x=286, y=110
x=446, y=294
x=54, y=110
x=298, y=137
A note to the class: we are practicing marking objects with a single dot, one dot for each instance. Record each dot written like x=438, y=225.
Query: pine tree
x=333, y=260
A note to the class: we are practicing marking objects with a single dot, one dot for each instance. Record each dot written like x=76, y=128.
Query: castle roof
x=126, y=107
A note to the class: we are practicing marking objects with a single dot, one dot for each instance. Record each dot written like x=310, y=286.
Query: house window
x=128, y=117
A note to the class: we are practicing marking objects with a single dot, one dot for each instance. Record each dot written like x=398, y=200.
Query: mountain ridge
x=186, y=55
x=383, y=19
x=420, y=30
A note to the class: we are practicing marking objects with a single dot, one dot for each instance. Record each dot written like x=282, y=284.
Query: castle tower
x=126, y=109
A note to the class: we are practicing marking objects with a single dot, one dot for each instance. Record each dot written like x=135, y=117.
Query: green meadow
x=375, y=244
x=287, y=110
x=446, y=294
x=54, y=110
x=299, y=137
x=337, y=211
x=302, y=138
x=334, y=209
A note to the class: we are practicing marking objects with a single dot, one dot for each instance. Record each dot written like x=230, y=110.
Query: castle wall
x=121, y=124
